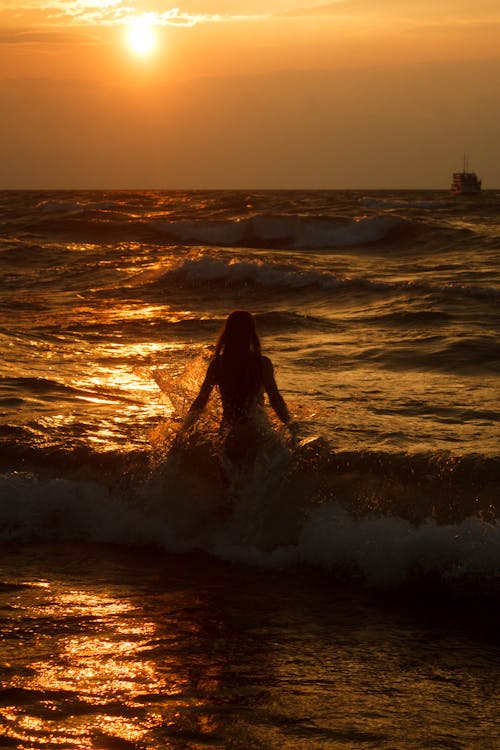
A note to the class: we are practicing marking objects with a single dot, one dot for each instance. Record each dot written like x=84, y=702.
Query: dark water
x=342, y=594
x=110, y=649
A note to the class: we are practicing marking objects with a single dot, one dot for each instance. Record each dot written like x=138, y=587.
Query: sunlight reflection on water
x=144, y=652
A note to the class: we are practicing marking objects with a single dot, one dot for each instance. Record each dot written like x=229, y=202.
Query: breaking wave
x=233, y=272
x=92, y=221
x=381, y=517
x=291, y=231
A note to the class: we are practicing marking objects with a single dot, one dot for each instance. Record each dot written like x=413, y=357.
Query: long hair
x=238, y=348
x=238, y=337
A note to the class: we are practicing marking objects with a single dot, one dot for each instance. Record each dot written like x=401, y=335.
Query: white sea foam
x=294, y=231
x=266, y=527
x=387, y=550
x=254, y=271
x=315, y=233
x=211, y=269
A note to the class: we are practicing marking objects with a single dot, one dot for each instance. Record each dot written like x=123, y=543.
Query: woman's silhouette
x=242, y=375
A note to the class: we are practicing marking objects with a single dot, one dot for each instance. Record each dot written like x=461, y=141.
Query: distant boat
x=465, y=182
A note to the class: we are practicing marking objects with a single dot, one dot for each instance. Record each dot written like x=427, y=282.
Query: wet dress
x=242, y=384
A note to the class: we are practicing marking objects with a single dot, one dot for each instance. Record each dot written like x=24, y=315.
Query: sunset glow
x=141, y=37
x=414, y=82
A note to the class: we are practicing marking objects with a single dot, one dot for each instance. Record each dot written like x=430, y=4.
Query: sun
x=141, y=37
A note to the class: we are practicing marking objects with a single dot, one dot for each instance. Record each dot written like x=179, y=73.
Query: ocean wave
x=410, y=317
x=479, y=354
x=49, y=389
x=408, y=203
x=67, y=206
x=467, y=352
x=194, y=271
x=267, y=524
x=270, y=505
x=296, y=232
x=234, y=272
x=35, y=384
x=452, y=486
x=103, y=219
x=302, y=231
x=387, y=551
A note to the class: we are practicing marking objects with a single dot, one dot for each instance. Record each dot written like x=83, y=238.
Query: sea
x=339, y=591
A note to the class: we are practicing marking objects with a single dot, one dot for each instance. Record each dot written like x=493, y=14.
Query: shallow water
x=108, y=648
x=380, y=312
x=342, y=593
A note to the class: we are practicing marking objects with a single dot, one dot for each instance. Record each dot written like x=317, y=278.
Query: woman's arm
x=275, y=398
x=201, y=399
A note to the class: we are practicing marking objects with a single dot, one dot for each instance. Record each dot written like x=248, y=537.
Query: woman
x=242, y=375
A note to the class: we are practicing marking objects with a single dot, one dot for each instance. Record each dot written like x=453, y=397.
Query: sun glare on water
x=141, y=38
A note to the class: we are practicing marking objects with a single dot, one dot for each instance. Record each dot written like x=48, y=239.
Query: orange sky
x=275, y=94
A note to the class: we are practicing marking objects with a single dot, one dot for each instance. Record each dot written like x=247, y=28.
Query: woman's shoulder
x=214, y=366
x=266, y=364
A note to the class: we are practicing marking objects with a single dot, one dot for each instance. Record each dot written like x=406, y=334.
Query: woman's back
x=241, y=384
x=241, y=374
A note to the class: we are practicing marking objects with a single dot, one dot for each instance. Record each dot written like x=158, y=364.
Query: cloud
x=326, y=9
x=115, y=12
x=398, y=11
x=42, y=37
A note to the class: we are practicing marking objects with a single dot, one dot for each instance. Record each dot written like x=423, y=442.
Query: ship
x=465, y=182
